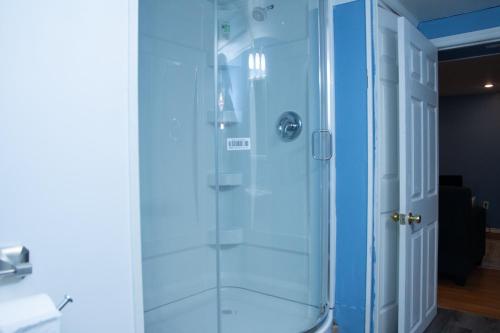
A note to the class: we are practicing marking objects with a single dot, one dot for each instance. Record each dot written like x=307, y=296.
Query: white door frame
x=370, y=15
x=133, y=128
x=443, y=43
x=467, y=39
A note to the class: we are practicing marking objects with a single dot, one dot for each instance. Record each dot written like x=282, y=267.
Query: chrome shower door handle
x=322, y=145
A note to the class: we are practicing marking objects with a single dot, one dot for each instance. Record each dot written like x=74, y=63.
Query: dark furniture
x=462, y=229
x=451, y=180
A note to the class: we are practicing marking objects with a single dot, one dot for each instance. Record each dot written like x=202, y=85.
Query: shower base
x=242, y=311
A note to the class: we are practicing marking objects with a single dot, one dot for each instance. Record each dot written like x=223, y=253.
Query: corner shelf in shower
x=224, y=117
x=233, y=236
x=226, y=180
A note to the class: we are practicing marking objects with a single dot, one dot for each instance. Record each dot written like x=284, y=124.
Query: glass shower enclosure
x=234, y=165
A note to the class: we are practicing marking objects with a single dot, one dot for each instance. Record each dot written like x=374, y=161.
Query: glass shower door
x=178, y=197
x=234, y=166
x=272, y=228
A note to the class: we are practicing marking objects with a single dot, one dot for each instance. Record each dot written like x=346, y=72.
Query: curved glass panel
x=269, y=194
x=233, y=167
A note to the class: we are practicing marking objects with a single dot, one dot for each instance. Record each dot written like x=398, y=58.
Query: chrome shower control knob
x=289, y=126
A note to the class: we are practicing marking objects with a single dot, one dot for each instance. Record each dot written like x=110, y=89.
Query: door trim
x=370, y=13
x=400, y=9
x=133, y=134
x=467, y=39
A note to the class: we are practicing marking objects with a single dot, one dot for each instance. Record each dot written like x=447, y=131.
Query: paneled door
x=418, y=162
x=387, y=175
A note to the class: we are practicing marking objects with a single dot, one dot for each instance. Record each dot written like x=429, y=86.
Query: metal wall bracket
x=15, y=262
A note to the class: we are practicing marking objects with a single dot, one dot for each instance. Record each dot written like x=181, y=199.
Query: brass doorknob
x=395, y=217
x=414, y=218
x=403, y=219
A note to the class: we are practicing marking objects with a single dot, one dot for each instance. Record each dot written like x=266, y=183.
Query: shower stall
x=235, y=155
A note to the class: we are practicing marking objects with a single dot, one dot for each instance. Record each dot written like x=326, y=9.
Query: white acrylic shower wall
x=176, y=148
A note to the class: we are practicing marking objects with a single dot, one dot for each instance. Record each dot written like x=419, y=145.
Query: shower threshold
x=242, y=311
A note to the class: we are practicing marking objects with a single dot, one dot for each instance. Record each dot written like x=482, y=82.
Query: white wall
x=64, y=155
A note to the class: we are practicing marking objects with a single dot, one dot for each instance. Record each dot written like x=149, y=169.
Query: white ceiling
x=424, y=10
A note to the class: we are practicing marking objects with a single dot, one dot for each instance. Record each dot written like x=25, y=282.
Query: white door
x=387, y=175
x=418, y=137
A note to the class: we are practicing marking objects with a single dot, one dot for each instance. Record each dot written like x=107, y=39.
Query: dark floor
x=449, y=321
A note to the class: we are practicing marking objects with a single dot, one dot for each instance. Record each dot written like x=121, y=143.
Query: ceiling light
x=257, y=67
x=488, y=85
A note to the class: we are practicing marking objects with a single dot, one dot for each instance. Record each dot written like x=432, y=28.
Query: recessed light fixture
x=488, y=85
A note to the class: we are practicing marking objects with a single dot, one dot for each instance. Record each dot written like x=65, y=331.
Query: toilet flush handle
x=67, y=299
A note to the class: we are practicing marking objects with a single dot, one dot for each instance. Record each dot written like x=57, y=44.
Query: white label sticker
x=238, y=144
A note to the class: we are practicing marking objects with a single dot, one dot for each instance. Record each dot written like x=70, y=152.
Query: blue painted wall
x=458, y=24
x=470, y=138
x=352, y=165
